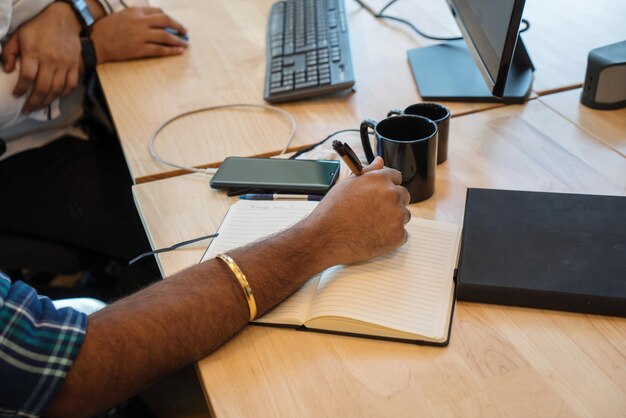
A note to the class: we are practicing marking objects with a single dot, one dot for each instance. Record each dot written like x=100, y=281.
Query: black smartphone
x=276, y=174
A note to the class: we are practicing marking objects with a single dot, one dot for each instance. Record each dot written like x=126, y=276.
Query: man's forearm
x=96, y=9
x=180, y=320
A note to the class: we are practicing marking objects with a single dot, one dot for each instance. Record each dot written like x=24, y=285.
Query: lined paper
x=293, y=310
x=407, y=293
x=409, y=289
x=249, y=221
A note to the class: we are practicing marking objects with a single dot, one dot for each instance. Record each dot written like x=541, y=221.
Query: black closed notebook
x=544, y=250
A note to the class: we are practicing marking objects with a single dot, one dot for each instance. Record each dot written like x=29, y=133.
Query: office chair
x=17, y=252
x=45, y=260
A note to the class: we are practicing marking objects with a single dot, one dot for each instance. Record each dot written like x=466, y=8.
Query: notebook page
x=294, y=309
x=409, y=289
x=248, y=221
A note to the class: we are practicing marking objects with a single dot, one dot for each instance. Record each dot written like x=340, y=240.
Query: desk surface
x=563, y=32
x=501, y=361
x=226, y=64
x=608, y=126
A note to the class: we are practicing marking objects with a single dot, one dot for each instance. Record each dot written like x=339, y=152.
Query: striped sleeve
x=38, y=345
x=112, y=6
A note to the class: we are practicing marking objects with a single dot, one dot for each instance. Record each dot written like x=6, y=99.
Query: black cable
x=311, y=147
x=386, y=6
x=526, y=22
x=235, y=193
x=381, y=15
x=173, y=247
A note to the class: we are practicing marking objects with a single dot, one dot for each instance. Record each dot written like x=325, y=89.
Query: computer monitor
x=490, y=63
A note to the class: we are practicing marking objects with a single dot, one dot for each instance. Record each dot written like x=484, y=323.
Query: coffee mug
x=438, y=114
x=407, y=143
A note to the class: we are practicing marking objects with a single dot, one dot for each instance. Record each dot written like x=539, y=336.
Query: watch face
x=84, y=13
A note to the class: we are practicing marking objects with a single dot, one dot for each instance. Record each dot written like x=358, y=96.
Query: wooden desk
x=225, y=63
x=608, y=126
x=501, y=361
x=562, y=34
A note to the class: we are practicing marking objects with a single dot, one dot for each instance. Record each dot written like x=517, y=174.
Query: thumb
x=10, y=53
x=377, y=164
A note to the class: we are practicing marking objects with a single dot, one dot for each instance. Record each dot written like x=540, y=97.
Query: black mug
x=438, y=114
x=409, y=144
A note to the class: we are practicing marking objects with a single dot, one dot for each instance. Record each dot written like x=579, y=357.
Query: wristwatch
x=89, y=53
x=82, y=13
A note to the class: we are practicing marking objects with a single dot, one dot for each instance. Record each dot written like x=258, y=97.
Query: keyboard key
x=305, y=48
x=306, y=84
x=282, y=89
x=276, y=23
x=303, y=38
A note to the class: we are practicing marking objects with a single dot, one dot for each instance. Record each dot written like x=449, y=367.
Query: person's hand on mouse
x=136, y=32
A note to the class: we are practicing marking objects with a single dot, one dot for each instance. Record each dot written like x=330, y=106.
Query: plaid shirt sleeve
x=38, y=345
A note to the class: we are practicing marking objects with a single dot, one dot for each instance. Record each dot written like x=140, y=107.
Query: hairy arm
x=182, y=319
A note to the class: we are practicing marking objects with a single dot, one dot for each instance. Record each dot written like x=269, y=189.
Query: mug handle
x=365, y=138
x=395, y=112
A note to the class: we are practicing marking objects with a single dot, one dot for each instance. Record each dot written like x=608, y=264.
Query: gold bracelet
x=247, y=291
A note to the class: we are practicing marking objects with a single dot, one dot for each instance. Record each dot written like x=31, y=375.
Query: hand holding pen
x=349, y=157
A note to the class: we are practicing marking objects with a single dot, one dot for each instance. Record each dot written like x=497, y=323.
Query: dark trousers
x=72, y=192
x=76, y=193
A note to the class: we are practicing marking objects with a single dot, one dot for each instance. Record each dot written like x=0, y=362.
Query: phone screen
x=276, y=174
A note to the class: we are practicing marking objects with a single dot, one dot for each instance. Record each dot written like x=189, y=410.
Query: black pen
x=349, y=157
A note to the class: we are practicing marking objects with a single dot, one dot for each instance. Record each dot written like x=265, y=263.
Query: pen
x=349, y=157
x=277, y=196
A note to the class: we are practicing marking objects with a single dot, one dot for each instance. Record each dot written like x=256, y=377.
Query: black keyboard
x=308, y=50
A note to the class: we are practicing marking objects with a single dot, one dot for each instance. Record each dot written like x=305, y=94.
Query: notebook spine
x=542, y=299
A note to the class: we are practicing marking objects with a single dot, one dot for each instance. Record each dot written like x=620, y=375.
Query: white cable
x=211, y=171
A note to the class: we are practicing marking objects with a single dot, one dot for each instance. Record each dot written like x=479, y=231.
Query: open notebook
x=405, y=295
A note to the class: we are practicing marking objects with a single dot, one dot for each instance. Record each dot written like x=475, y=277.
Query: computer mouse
x=177, y=33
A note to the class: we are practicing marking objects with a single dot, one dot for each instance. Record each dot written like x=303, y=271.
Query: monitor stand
x=448, y=72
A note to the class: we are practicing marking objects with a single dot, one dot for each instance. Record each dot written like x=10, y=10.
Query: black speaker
x=605, y=81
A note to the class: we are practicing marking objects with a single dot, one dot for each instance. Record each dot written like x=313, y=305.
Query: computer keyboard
x=308, y=50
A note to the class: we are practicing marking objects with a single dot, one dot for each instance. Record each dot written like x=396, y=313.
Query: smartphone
x=276, y=175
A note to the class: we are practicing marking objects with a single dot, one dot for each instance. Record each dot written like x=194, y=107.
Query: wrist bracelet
x=241, y=278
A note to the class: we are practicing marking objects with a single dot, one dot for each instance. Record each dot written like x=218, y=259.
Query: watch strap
x=88, y=52
x=81, y=9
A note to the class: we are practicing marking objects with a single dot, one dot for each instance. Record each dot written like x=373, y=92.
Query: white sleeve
x=5, y=18
x=111, y=6
x=24, y=10
x=11, y=107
